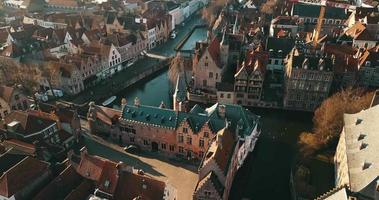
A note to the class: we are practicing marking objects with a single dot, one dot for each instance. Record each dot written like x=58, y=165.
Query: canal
x=268, y=177
x=268, y=172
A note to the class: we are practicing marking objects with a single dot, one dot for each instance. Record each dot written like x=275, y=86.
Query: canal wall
x=187, y=36
x=111, y=86
x=116, y=88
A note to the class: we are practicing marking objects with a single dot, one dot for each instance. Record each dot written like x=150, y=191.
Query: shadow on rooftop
x=101, y=148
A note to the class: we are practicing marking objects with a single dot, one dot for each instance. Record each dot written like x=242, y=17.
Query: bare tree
x=176, y=67
x=211, y=11
x=49, y=72
x=328, y=119
x=13, y=72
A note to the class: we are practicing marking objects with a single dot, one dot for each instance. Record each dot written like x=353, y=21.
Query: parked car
x=132, y=149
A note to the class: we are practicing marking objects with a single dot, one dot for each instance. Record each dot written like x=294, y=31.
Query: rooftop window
x=361, y=137
x=366, y=165
x=363, y=146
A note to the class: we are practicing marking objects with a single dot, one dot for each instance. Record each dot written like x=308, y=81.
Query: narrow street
x=181, y=175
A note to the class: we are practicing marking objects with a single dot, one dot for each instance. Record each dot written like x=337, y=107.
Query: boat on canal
x=109, y=101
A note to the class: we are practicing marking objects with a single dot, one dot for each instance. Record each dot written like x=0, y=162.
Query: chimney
x=137, y=102
x=124, y=102
x=222, y=111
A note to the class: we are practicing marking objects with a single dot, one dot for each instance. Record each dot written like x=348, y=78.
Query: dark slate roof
x=285, y=45
x=313, y=62
x=196, y=109
x=303, y=10
x=238, y=117
x=224, y=87
x=8, y=160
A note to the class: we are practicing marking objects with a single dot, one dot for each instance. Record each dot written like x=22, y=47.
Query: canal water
x=150, y=92
x=267, y=175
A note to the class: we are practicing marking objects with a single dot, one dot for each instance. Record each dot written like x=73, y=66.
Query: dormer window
x=106, y=184
x=361, y=137
x=366, y=165
x=368, y=64
x=363, y=146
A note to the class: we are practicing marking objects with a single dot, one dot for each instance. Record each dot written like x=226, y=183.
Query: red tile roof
x=65, y=115
x=359, y=32
x=90, y=167
x=109, y=177
x=107, y=115
x=214, y=51
x=21, y=175
x=123, y=185
x=30, y=121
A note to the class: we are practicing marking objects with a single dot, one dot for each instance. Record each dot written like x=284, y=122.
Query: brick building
x=307, y=79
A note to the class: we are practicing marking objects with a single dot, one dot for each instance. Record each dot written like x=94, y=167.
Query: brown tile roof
x=131, y=185
x=21, y=146
x=64, y=114
x=107, y=115
x=123, y=185
x=84, y=189
x=103, y=172
x=61, y=186
x=90, y=167
x=6, y=93
x=21, y=175
x=2, y=149
x=359, y=32
x=212, y=177
x=3, y=35
x=214, y=51
x=66, y=3
x=30, y=121
x=94, y=49
x=11, y=51
x=369, y=55
x=224, y=152
x=345, y=60
x=109, y=177
x=93, y=35
x=340, y=49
